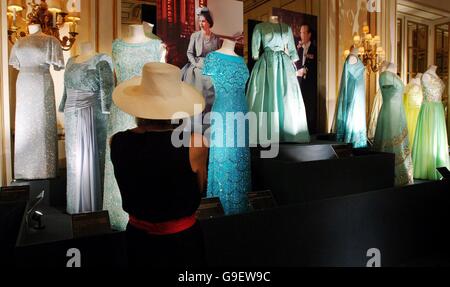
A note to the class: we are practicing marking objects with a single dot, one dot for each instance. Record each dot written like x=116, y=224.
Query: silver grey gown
x=86, y=103
x=36, y=139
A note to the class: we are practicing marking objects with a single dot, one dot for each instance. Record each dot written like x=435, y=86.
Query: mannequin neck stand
x=136, y=35
x=86, y=53
x=227, y=48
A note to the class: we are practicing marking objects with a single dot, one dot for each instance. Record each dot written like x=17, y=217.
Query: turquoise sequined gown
x=273, y=89
x=86, y=102
x=392, y=131
x=229, y=159
x=128, y=59
x=430, y=149
x=351, y=113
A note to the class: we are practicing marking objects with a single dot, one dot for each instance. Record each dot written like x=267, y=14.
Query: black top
x=155, y=179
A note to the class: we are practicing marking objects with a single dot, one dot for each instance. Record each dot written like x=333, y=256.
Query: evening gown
x=273, y=92
x=88, y=88
x=392, y=132
x=229, y=158
x=413, y=101
x=430, y=150
x=128, y=60
x=351, y=114
x=36, y=137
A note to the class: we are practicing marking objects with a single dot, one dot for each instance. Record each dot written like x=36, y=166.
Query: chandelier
x=51, y=15
x=371, y=54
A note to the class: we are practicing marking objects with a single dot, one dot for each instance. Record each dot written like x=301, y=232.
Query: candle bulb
x=366, y=29
x=357, y=40
x=346, y=53
x=369, y=37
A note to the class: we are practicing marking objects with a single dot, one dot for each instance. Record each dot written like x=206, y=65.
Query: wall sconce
x=370, y=54
x=50, y=15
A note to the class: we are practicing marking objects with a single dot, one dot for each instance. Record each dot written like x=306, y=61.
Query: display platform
x=308, y=172
x=54, y=188
x=407, y=225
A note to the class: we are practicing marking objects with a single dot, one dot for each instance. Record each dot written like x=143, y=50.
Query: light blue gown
x=351, y=114
x=273, y=89
x=86, y=102
x=391, y=135
x=229, y=159
x=128, y=59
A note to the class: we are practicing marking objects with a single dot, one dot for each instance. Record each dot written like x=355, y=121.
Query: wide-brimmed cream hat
x=159, y=94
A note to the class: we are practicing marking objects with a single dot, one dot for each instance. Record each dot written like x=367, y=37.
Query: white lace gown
x=35, y=148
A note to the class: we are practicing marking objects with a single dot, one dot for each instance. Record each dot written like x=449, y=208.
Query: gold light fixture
x=371, y=54
x=50, y=15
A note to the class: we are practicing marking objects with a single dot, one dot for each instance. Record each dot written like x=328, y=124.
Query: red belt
x=164, y=228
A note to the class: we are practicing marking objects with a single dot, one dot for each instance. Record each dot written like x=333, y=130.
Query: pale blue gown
x=351, y=113
x=273, y=91
x=229, y=159
x=128, y=59
x=86, y=102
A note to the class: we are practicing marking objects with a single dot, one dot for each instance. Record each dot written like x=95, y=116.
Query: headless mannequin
x=416, y=80
x=136, y=35
x=274, y=20
x=391, y=67
x=353, y=57
x=86, y=53
x=148, y=30
x=431, y=71
x=228, y=47
x=35, y=29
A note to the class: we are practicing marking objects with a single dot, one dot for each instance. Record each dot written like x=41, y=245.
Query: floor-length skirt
x=430, y=150
x=274, y=95
x=82, y=153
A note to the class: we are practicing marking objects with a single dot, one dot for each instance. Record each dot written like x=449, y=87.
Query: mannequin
x=430, y=72
x=391, y=67
x=274, y=19
x=417, y=79
x=35, y=29
x=86, y=52
x=353, y=57
x=136, y=34
x=228, y=47
x=148, y=29
x=432, y=69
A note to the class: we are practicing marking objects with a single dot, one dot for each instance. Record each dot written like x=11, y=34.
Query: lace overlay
x=229, y=166
x=128, y=59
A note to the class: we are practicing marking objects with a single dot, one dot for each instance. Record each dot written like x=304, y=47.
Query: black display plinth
x=409, y=226
x=308, y=172
x=55, y=189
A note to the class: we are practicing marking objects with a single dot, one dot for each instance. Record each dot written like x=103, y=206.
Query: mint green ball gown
x=430, y=149
x=273, y=89
x=391, y=135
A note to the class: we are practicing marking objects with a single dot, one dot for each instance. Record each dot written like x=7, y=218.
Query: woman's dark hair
x=208, y=17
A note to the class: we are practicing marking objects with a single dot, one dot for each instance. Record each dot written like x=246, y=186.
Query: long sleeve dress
x=86, y=102
x=273, y=92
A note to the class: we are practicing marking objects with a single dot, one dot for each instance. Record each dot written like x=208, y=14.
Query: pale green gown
x=128, y=59
x=392, y=131
x=273, y=91
x=430, y=149
x=351, y=114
